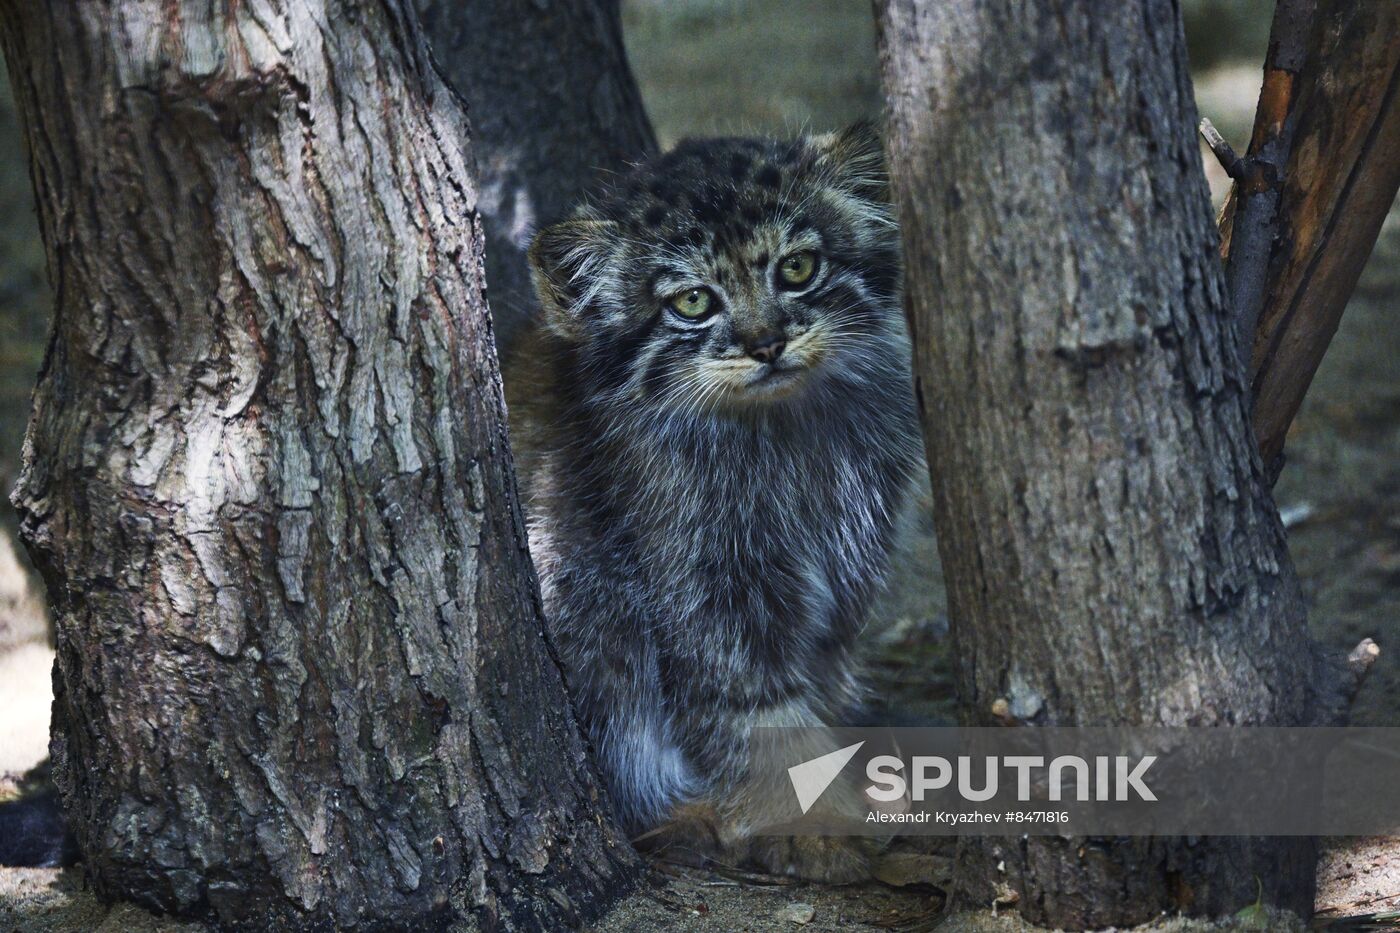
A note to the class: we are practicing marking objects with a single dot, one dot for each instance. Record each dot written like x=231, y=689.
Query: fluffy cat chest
x=768, y=514
x=763, y=567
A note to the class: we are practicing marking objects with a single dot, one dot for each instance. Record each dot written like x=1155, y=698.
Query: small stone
x=798, y=912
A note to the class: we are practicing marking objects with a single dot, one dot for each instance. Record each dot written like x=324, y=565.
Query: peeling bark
x=1255, y=199
x=554, y=106
x=1338, y=186
x=301, y=674
x=1112, y=552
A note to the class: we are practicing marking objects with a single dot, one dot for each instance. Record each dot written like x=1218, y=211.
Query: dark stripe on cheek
x=877, y=268
x=662, y=365
x=612, y=358
x=864, y=259
x=882, y=276
x=843, y=304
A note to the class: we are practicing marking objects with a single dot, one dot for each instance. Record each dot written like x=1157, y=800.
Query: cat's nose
x=768, y=351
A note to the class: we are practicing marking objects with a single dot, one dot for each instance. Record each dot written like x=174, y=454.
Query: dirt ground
x=36, y=900
x=714, y=66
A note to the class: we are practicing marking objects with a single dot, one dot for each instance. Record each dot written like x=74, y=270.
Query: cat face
x=729, y=275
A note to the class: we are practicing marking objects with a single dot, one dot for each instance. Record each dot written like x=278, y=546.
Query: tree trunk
x=1112, y=552
x=554, y=106
x=301, y=679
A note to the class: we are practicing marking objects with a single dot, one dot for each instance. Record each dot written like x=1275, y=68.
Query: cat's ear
x=570, y=264
x=855, y=157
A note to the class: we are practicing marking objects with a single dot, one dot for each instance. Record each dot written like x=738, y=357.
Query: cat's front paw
x=830, y=859
x=689, y=837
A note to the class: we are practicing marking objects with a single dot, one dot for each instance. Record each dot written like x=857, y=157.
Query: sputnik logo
x=811, y=778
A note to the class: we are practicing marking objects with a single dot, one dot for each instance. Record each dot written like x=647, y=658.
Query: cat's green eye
x=797, y=270
x=694, y=303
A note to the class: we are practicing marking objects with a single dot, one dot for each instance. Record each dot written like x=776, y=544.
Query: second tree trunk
x=1111, y=549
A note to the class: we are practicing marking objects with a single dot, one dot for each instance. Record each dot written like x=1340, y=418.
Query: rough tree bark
x=1112, y=552
x=301, y=676
x=554, y=106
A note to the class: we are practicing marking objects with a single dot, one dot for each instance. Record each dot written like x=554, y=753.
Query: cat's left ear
x=855, y=158
x=570, y=263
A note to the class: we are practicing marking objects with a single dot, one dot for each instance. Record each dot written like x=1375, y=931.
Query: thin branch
x=1362, y=657
x=1224, y=153
x=1338, y=681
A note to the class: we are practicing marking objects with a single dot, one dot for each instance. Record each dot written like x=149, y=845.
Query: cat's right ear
x=571, y=264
